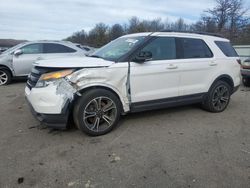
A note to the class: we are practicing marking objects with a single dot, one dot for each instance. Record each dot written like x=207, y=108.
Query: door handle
x=172, y=66
x=39, y=58
x=213, y=63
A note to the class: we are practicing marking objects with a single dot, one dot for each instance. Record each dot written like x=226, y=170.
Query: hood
x=73, y=62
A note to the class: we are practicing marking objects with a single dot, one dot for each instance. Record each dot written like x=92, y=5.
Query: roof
x=179, y=34
x=57, y=41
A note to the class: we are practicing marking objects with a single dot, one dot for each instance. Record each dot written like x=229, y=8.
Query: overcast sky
x=57, y=19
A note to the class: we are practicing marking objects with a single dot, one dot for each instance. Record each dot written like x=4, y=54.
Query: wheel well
x=101, y=87
x=7, y=68
x=227, y=79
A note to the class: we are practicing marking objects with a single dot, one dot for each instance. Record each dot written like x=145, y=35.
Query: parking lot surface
x=176, y=147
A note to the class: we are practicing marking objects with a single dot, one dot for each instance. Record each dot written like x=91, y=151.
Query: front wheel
x=218, y=97
x=5, y=77
x=97, y=112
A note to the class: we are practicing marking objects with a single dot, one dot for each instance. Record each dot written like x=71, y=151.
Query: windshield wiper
x=96, y=56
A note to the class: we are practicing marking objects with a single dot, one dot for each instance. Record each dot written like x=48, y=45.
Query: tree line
x=227, y=18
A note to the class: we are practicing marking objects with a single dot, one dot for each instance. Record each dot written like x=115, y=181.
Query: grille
x=36, y=73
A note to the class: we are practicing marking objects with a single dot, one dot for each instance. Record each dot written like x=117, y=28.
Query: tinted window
x=162, y=48
x=192, y=48
x=226, y=48
x=57, y=48
x=32, y=49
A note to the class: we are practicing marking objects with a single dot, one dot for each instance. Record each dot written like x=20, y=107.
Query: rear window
x=226, y=48
x=56, y=48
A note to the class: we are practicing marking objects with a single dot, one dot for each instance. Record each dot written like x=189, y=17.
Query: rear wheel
x=5, y=77
x=218, y=97
x=246, y=81
x=97, y=112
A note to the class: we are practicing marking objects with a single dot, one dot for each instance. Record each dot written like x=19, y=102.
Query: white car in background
x=17, y=61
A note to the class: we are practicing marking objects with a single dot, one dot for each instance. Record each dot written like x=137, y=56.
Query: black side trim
x=236, y=88
x=166, y=103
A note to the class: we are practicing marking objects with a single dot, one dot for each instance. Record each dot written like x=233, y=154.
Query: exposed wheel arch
x=226, y=78
x=106, y=88
x=7, y=68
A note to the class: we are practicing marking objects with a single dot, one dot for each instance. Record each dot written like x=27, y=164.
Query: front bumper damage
x=51, y=105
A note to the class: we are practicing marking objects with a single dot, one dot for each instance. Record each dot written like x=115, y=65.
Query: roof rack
x=195, y=32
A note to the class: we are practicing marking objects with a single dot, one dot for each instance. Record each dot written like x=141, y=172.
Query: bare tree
x=220, y=13
x=98, y=36
x=116, y=31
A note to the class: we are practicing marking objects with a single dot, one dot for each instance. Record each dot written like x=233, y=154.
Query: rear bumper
x=245, y=72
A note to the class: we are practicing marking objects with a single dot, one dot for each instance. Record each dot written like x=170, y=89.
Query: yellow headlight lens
x=56, y=75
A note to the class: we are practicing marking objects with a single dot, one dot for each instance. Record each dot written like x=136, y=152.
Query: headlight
x=47, y=78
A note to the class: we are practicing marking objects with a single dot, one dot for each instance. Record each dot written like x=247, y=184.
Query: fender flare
x=124, y=100
x=226, y=78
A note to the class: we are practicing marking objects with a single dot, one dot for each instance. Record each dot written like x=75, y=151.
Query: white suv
x=133, y=73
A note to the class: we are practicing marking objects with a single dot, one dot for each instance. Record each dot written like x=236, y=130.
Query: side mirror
x=143, y=56
x=18, y=52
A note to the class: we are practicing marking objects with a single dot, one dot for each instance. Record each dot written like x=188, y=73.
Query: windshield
x=117, y=48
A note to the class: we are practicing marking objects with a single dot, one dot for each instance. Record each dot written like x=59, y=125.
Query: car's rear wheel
x=246, y=81
x=5, y=77
x=218, y=97
x=97, y=112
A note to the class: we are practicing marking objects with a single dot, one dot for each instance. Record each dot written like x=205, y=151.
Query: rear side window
x=192, y=48
x=56, y=48
x=226, y=48
x=162, y=48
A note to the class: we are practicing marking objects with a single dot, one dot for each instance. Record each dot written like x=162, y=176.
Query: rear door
x=197, y=65
x=22, y=63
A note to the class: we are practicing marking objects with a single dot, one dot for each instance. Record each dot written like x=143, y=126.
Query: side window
x=32, y=49
x=192, y=48
x=56, y=48
x=162, y=48
x=226, y=48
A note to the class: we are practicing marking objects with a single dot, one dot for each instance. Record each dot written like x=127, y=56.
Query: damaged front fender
x=113, y=78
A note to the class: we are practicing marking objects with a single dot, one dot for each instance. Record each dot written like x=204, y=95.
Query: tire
x=97, y=112
x=218, y=97
x=5, y=77
x=246, y=81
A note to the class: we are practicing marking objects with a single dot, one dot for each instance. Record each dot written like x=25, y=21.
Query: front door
x=159, y=77
x=22, y=63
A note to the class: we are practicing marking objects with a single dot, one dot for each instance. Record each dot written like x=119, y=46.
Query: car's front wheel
x=5, y=77
x=246, y=81
x=218, y=97
x=97, y=112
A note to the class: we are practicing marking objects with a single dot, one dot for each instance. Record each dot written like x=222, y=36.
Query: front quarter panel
x=113, y=77
x=6, y=60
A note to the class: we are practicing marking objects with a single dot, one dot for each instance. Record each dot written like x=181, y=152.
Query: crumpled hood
x=73, y=62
